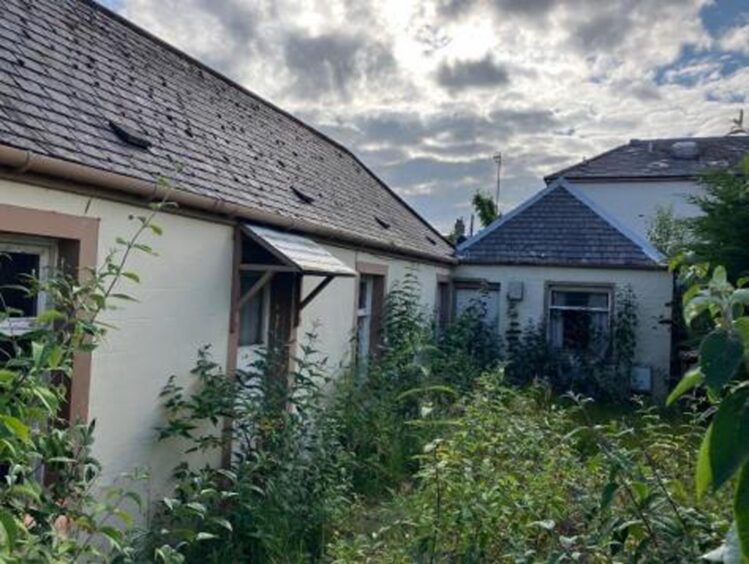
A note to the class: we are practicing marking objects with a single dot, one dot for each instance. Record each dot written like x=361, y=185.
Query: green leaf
x=49, y=316
x=690, y=380
x=741, y=509
x=721, y=353
x=205, y=536
x=55, y=357
x=740, y=296
x=132, y=276
x=704, y=476
x=741, y=325
x=729, y=447
x=609, y=491
x=16, y=427
x=11, y=527
x=6, y=376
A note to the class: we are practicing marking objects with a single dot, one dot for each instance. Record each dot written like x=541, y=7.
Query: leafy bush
x=723, y=369
x=50, y=506
x=604, y=377
x=287, y=475
x=518, y=479
x=418, y=374
x=720, y=232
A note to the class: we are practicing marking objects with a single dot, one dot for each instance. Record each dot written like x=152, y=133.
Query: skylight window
x=130, y=135
x=303, y=196
x=384, y=224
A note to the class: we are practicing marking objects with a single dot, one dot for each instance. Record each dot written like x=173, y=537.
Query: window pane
x=443, y=304
x=14, y=271
x=578, y=330
x=252, y=316
x=582, y=299
x=484, y=303
x=363, y=292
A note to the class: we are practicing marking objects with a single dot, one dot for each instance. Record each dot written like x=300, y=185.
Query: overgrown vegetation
x=449, y=447
x=518, y=478
x=50, y=509
x=604, y=375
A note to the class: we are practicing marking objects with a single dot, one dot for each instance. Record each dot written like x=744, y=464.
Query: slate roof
x=68, y=67
x=655, y=159
x=559, y=226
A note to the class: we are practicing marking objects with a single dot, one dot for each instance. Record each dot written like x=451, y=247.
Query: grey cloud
x=454, y=8
x=483, y=73
x=331, y=63
x=427, y=169
x=602, y=32
x=444, y=132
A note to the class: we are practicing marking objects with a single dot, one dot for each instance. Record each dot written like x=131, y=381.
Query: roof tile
x=557, y=229
x=655, y=158
x=87, y=65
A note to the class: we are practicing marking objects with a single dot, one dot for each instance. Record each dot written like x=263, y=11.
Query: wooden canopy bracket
x=256, y=287
x=313, y=294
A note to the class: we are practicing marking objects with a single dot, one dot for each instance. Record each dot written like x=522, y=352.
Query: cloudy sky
x=425, y=92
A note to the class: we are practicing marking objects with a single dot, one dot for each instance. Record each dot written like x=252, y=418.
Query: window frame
x=363, y=346
x=377, y=273
x=265, y=297
x=581, y=287
x=474, y=284
x=46, y=248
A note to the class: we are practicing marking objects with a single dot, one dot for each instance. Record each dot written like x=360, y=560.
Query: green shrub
x=51, y=506
x=601, y=376
x=518, y=479
x=286, y=478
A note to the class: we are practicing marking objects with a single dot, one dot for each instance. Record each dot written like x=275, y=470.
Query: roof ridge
x=192, y=60
x=560, y=173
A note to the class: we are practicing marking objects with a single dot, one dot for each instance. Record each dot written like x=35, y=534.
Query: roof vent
x=384, y=224
x=686, y=150
x=130, y=135
x=306, y=198
x=431, y=240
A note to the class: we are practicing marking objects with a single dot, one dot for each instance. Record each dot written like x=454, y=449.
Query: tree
x=721, y=233
x=485, y=208
x=668, y=233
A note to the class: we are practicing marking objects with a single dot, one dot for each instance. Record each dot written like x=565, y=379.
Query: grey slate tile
x=84, y=63
x=556, y=230
x=655, y=158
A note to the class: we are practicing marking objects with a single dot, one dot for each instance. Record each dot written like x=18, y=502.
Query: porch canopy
x=298, y=253
x=272, y=251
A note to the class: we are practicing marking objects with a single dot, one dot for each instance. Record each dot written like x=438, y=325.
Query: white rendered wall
x=331, y=315
x=635, y=203
x=652, y=288
x=183, y=304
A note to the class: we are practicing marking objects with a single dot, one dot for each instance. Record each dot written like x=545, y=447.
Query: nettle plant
x=48, y=510
x=723, y=370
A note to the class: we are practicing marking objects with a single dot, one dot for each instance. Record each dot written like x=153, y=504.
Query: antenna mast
x=498, y=159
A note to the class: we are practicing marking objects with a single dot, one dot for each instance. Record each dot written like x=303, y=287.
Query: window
x=480, y=298
x=579, y=318
x=442, y=306
x=364, y=315
x=20, y=260
x=253, y=319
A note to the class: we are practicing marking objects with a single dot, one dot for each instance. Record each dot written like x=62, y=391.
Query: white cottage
x=560, y=256
x=278, y=227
